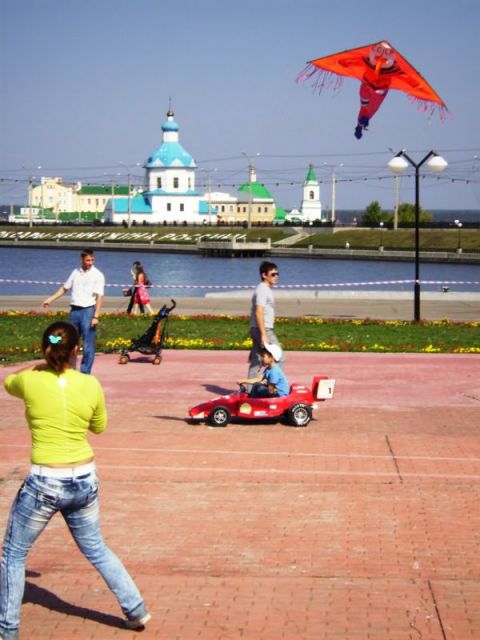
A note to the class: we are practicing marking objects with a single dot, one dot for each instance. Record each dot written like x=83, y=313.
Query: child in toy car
x=273, y=382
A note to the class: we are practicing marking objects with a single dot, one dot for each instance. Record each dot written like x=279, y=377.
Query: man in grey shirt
x=262, y=316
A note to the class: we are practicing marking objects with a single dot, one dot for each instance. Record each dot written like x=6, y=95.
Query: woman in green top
x=62, y=405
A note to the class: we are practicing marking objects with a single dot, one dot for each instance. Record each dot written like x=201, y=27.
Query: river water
x=41, y=271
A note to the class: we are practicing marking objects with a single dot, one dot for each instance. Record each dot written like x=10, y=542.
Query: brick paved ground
x=363, y=525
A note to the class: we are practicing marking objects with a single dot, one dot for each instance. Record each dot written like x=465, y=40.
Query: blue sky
x=85, y=86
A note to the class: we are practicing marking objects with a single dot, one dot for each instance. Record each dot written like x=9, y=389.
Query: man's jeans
x=81, y=318
x=254, y=357
x=38, y=499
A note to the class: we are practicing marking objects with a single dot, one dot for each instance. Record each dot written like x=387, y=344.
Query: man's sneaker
x=138, y=623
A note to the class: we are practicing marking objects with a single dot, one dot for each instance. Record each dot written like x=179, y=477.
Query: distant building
x=53, y=194
x=94, y=198
x=225, y=206
x=311, y=207
x=53, y=197
x=253, y=203
x=170, y=196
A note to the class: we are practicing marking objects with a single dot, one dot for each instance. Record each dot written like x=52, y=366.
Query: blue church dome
x=171, y=153
x=170, y=125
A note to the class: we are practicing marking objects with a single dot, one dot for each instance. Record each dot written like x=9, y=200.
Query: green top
x=60, y=410
x=311, y=177
x=259, y=190
x=102, y=190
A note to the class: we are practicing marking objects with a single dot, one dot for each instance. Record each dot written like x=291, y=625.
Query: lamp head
x=398, y=165
x=437, y=164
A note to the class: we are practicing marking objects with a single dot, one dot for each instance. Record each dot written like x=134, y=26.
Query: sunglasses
x=274, y=273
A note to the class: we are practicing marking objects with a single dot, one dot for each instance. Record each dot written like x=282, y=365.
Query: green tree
x=406, y=214
x=373, y=214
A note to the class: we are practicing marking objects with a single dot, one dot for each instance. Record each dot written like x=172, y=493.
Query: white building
x=311, y=207
x=170, y=195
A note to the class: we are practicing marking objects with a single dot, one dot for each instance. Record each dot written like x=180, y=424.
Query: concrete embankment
x=381, y=305
x=318, y=253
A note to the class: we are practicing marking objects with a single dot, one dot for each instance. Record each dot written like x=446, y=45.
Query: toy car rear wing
x=323, y=388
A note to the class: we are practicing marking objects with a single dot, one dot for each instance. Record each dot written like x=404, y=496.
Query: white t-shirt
x=85, y=286
x=263, y=296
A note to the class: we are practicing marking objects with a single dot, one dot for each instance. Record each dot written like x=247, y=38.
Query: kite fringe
x=430, y=108
x=322, y=79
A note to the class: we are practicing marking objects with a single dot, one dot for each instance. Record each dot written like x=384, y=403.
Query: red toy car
x=297, y=407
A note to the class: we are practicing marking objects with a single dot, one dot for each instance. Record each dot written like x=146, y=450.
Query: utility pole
x=334, y=190
x=30, y=196
x=251, y=169
x=209, y=199
x=334, y=195
x=395, y=202
x=129, y=218
x=249, y=223
x=129, y=170
x=113, y=200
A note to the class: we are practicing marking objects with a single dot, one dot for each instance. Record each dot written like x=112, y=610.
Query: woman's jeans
x=38, y=499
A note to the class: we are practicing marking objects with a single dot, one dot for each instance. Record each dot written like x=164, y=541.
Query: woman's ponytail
x=58, y=342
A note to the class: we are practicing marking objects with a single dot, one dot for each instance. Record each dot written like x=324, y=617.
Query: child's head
x=271, y=353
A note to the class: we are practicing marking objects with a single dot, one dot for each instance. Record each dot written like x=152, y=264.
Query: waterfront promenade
x=458, y=306
x=364, y=525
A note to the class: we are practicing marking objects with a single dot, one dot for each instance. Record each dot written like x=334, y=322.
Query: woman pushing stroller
x=140, y=300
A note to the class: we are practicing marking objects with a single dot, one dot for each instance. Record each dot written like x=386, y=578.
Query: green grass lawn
x=400, y=239
x=21, y=334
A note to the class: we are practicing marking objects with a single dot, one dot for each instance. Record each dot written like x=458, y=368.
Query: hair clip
x=54, y=339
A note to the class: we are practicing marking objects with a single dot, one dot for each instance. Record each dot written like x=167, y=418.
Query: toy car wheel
x=219, y=417
x=157, y=360
x=123, y=359
x=299, y=415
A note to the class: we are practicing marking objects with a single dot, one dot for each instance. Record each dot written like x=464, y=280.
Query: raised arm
x=58, y=294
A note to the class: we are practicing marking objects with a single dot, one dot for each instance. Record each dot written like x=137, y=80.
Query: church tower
x=311, y=207
x=170, y=169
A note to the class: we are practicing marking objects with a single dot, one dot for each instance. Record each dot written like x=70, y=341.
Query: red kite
x=379, y=67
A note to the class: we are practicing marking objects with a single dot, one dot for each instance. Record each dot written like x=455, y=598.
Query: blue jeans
x=254, y=357
x=37, y=501
x=260, y=390
x=81, y=318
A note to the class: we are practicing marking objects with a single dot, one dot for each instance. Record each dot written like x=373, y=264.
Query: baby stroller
x=153, y=340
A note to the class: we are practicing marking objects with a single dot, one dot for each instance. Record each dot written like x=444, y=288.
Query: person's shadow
x=213, y=388
x=38, y=595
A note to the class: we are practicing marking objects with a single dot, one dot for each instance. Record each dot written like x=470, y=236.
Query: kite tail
x=430, y=108
x=321, y=78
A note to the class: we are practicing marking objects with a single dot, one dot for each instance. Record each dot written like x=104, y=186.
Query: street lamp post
x=30, y=197
x=333, y=212
x=397, y=165
x=251, y=169
x=459, y=243
x=381, y=236
x=129, y=170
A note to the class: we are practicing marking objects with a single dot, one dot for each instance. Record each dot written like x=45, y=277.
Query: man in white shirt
x=262, y=317
x=87, y=285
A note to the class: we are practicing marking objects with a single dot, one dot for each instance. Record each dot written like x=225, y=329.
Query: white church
x=311, y=207
x=170, y=195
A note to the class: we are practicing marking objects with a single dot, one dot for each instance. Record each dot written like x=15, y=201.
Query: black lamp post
x=459, y=226
x=398, y=164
